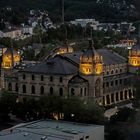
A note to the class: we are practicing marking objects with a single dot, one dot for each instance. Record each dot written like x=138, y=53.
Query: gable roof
x=111, y=58
x=57, y=65
x=77, y=79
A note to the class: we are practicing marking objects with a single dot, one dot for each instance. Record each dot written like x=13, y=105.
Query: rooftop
x=47, y=130
x=67, y=64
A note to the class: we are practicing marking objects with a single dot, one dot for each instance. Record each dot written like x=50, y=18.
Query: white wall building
x=54, y=130
x=84, y=22
x=12, y=33
x=27, y=30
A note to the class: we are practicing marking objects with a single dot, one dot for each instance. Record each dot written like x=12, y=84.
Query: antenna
x=63, y=11
x=63, y=20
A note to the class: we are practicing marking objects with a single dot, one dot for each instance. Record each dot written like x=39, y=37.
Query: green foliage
x=73, y=9
x=29, y=55
x=124, y=115
x=7, y=105
x=73, y=108
x=6, y=41
x=117, y=134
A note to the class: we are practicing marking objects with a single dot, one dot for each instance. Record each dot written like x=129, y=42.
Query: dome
x=134, y=55
x=7, y=58
x=90, y=53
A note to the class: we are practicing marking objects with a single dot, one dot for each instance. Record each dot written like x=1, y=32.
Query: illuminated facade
x=128, y=42
x=9, y=60
x=134, y=56
x=91, y=63
x=64, y=50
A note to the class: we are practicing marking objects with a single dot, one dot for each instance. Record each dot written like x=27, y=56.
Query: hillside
x=105, y=10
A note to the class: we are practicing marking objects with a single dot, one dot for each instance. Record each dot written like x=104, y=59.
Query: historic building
x=100, y=74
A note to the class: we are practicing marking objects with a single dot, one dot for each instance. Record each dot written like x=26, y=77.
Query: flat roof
x=47, y=129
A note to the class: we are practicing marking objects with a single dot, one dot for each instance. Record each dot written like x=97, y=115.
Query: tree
x=7, y=105
x=124, y=115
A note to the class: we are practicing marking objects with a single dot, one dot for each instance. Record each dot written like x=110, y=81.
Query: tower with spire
x=91, y=63
x=91, y=69
x=134, y=55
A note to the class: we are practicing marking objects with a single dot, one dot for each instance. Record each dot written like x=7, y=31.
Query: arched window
x=33, y=89
x=16, y=87
x=61, y=91
x=10, y=87
x=85, y=91
x=81, y=91
x=51, y=90
x=98, y=87
x=107, y=73
x=72, y=91
x=112, y=72
x=116, y=71
x=42, y=90
x=24, y=88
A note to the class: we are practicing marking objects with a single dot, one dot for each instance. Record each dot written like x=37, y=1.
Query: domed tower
x=134, y=57
x=91, y=69
x=10, y=58
x=65, y=49
x=91, y=62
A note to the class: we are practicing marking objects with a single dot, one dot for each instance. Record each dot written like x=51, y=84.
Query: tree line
x=51, y=107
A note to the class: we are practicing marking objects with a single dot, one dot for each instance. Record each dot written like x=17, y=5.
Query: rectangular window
x=33, y=77
x=61, y=80
x=24, y=76
x=51, y=79
x=116, y=82
x=120, y=81
x=42, y=78
x=112, y=83
x=107, y=84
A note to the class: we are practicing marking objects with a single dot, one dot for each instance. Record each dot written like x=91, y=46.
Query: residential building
x=27, y=30
x=12, y=33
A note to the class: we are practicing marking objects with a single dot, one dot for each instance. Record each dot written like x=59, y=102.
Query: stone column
x=110, y=99
x=119, y=96
x=105, y=102
x=123, y=95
